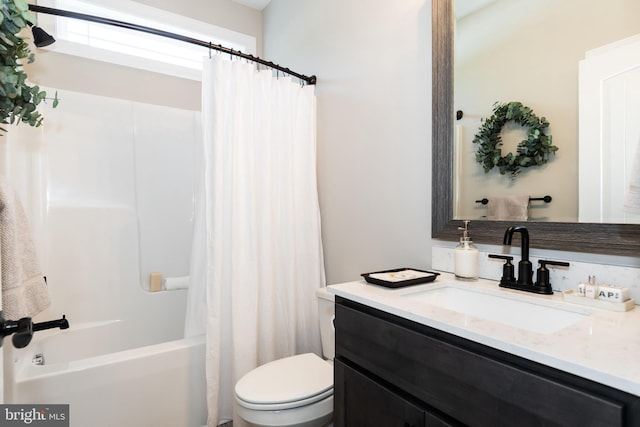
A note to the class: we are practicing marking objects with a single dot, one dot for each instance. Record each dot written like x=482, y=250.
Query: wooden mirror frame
x=610, y=239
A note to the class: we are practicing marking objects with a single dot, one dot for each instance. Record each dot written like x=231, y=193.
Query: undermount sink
x=517, y=313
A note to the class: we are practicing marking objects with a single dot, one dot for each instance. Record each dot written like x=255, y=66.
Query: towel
x=24, y=291
x=508, y=208
x=175, y=283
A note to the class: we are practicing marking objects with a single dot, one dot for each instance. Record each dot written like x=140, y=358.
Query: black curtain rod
x=51, y=11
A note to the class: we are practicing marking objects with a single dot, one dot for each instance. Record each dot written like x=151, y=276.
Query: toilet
x=295, y=391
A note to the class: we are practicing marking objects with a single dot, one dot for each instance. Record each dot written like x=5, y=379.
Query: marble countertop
x=603, y=345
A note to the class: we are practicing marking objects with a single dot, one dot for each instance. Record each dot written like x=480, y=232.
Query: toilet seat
x=286, y=383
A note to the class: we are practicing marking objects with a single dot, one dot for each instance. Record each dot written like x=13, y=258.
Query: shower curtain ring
x=210, y=50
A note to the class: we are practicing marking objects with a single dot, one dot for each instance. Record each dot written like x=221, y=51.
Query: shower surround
x=108, y=185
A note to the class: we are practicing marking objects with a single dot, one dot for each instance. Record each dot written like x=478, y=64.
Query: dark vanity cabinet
x=390, y=372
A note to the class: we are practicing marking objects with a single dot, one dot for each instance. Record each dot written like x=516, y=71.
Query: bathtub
x=109, y=381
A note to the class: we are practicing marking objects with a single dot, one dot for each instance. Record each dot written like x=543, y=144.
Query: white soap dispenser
x=465, y=262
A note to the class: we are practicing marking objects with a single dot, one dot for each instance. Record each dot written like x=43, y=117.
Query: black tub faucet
x=525, y=269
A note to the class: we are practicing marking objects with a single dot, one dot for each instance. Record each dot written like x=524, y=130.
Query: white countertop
x=603, y=346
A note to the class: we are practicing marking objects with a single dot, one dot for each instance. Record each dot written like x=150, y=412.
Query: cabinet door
x=362, y=402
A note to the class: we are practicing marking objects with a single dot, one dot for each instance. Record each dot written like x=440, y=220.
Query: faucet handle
x=542, y=276
x=508, y=271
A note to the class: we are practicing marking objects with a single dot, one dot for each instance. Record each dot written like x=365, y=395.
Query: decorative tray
x=573, y=297
x=400, y=277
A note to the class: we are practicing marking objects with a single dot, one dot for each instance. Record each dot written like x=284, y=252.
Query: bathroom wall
x=373, y=63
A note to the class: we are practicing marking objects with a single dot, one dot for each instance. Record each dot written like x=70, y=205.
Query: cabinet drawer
x=468, y=385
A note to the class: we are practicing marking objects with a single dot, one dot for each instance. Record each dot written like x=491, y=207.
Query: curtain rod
x=51, y=11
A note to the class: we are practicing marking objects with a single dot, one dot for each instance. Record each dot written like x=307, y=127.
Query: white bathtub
x=108, y=382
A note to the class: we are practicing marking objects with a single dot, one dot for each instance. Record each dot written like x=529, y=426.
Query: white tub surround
x=602, y=346
x=109, y=205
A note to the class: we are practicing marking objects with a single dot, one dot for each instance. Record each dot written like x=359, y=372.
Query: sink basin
x=513, y=312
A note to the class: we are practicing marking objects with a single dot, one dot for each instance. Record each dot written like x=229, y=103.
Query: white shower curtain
x=259, y=258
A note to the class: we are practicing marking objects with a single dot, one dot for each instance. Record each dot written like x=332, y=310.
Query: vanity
x=452, y=353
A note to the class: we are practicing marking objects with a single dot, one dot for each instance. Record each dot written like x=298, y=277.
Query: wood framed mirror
x=610, y=239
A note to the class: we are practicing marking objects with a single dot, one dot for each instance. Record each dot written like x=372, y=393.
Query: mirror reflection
x=534, y=53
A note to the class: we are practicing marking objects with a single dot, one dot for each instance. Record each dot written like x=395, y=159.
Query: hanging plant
x=533, y=151
x=18, y=99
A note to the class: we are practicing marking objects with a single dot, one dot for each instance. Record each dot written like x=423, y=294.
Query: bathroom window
x=134, y=48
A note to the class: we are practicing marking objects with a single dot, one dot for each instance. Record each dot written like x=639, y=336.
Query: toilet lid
x=286, y=382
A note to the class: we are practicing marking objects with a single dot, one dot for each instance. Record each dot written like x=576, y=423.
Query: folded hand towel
x=508, y=208
x=24, y=291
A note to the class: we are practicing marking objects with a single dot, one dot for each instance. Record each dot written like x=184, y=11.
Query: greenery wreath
x=533, y=151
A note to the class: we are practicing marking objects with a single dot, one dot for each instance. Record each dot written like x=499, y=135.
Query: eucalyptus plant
x=18, y=99
x=533, y=151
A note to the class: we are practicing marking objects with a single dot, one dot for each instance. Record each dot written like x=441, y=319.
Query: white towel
x=174, y=283
x=508, y=208
x=24, y=291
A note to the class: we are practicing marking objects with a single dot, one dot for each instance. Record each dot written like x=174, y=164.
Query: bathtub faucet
x=60, y=323
x=24, y=328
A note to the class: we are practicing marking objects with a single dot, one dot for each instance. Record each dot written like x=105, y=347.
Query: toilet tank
x=326, y=314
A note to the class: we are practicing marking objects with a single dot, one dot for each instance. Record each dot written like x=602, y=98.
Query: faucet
x=24, y=328
x=524, y=282
x=525, y=270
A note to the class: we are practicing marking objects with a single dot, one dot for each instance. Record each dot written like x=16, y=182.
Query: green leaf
x=22, y=5
x=28, y=17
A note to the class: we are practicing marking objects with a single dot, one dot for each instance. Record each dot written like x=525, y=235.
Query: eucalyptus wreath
x=533, y=151
x=18, y=99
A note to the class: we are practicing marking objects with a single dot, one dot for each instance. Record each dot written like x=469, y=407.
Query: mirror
x=531, y=52
x=613, y=239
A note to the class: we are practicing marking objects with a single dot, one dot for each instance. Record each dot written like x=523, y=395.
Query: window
x=134, y=48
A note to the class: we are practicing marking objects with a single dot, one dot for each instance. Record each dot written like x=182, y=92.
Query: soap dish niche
x=573, y=297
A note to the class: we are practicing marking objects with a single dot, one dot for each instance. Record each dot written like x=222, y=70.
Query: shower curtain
x=257, y=256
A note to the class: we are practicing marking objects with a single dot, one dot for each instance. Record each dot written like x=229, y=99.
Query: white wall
x=373, y=63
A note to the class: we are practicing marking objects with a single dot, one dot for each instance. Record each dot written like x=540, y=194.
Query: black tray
x=429, y=277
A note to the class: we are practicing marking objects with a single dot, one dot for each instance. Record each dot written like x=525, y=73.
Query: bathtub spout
x=24, y=328
x=60, y=323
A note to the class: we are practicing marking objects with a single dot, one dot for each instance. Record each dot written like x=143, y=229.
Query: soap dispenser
x=465, y=263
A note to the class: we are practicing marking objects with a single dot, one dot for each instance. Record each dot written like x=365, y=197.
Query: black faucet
x=524, y=281
x=24, y=328
x=525, y=270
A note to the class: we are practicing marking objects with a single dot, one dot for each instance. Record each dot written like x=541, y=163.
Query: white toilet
x=296, y=391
